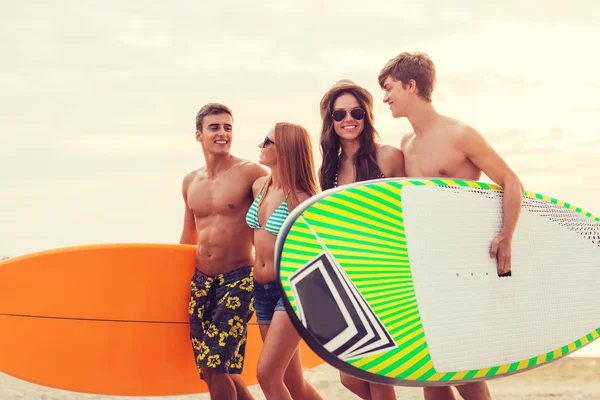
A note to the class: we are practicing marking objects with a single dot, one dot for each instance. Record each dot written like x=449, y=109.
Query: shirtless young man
x=440, y=146
x=217, y=197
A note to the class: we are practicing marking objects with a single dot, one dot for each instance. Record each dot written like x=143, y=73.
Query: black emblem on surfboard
x=333, y=310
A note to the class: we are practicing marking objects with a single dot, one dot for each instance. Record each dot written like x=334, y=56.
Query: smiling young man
x=444, y=147
x=217, y=197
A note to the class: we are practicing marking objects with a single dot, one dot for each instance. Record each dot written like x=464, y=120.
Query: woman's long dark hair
x=365, y=159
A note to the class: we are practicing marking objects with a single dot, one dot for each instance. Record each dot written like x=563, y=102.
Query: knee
x=297, y=386
x=211, y=376
x=350, y=382
x=475, y=390
x=438, y=393
x=267, y=376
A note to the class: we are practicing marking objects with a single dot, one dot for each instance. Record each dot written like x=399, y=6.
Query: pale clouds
x=99, y=98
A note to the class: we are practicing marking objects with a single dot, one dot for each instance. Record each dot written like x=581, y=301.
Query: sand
x=570, y=378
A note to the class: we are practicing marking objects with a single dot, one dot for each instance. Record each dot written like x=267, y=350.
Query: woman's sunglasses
x=267, y=141
x=357, y=114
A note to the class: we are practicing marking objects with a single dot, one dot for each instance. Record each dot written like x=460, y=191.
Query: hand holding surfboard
x=392, y=281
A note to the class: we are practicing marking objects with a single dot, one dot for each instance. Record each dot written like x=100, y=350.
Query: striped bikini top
x=274, y=222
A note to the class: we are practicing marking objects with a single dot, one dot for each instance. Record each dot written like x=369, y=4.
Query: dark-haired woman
x=352, y=152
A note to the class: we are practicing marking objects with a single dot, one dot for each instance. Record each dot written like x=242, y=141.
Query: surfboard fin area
x=413, y=256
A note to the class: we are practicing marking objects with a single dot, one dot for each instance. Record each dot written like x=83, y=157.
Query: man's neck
x=216, y=163
x=422, y=117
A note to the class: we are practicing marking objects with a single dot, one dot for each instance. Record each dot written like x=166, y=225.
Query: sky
x=99, y=98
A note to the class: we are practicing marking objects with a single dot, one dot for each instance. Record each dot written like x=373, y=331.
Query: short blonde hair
x=406, y=66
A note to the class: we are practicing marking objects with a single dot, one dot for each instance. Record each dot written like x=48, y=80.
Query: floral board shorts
x=220, y=308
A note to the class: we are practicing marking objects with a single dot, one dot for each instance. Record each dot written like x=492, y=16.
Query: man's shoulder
x=457, y=128
x=249, y=168
x=406, y=137
x=464, y=136
x=190, y=176
x=243, y=163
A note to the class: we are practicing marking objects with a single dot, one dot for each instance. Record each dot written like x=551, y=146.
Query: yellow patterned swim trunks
x=220, y=308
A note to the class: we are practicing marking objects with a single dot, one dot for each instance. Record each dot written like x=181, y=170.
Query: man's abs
x=224, y=244
x=219, y=207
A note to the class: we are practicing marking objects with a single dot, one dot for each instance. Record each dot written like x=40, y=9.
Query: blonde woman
x=287, y=151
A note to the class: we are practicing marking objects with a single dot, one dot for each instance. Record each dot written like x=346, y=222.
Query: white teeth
x=349, y=127
x=221, y=142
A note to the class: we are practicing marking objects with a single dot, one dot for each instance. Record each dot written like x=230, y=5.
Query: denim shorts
x=266, y=301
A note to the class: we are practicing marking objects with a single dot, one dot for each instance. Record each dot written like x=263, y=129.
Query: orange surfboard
x=107, y=319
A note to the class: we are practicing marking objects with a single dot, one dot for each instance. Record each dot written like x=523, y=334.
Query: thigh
x=474, y=391
x=381, y=392
x=226, y=329
x=199, y=301
x=439, y=393
x=281, y=343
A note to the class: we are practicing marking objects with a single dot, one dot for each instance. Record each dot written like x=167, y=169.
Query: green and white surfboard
x=391, y=281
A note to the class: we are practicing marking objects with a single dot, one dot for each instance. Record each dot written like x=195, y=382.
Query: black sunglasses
x=357, y=114
x=267, y=141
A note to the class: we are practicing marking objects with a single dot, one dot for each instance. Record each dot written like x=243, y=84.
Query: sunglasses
x=357, y=114
x=267, y=141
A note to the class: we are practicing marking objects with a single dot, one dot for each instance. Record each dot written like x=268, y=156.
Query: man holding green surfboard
x=443, y=147
x=217, y=197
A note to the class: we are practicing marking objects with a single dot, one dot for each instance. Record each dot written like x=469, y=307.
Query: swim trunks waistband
x=227, y=277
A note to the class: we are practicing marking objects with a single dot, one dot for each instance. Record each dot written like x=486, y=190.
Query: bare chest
x=212, y=197
x=434, y=158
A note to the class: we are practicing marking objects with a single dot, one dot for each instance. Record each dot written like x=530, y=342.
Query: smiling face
x=216, y=134
x=398, y=96
x=348, y=128
x=268, y=151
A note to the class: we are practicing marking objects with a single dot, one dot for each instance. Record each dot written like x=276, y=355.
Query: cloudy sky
x=98, y=99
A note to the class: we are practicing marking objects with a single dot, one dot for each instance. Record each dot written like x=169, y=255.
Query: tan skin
x=391, y=163
x=217, y=198
x=279, y=370
x=443, y=147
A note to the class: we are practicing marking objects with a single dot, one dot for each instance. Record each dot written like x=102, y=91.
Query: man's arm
x=258, y=176
x=479, y=151
x=256, y=171
x=189, y=235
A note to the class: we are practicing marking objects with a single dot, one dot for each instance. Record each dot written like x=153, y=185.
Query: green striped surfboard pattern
x=362, y=227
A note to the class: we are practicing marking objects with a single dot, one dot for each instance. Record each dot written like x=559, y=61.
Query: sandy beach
x=570, y=378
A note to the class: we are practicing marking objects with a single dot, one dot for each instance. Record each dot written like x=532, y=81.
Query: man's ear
x=412, y=86
x=199, y=135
